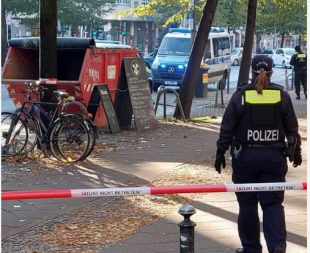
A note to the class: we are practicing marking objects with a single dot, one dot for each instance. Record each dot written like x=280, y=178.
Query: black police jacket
x=236, y=115
x=299, y=61
x=261, y=122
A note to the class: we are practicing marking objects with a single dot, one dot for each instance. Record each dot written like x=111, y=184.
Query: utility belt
x=288, y=149
x=300, y=69
x=304, y=68
x=277, y=146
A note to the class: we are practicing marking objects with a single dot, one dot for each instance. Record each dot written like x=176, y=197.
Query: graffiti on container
x=94, y=74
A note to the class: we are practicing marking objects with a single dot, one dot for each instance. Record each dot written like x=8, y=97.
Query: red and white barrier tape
x=153, y=190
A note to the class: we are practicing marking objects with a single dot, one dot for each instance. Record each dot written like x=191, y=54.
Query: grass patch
x=170, y=119
x=202, y=119
x=192, y=120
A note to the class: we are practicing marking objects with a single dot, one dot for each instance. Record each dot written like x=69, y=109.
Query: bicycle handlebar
x=35, y=90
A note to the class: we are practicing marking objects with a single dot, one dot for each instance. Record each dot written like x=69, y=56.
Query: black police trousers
x=300, y=78
x=260, y=165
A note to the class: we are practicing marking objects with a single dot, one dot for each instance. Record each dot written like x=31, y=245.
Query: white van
x=173, y=54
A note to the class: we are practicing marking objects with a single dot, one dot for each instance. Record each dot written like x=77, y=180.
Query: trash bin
x=80, y=65
x=202, y=81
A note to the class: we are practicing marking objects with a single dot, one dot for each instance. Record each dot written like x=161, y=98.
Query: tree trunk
x=3, y=36
x=48, y=47
x=192, y=70
x=248, y=43
x=282, y=39
x=258, y=39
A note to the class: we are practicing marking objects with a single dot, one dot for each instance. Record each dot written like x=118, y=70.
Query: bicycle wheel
x=32, y=127
x=93, y=134
x=70, y=139
x=79, y=109
x=14, y=135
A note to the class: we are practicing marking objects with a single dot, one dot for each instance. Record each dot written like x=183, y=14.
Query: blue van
x=173, y=54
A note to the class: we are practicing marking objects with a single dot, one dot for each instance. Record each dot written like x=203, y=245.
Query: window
x=221, y=46
x=175, y=46
x=289, y=51
x=279, y=51
x=207, y=54
x=145, y=2
x=135, y=3
x=122, y=2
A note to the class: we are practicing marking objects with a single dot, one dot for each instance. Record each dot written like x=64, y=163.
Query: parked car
x=149, y=77
x=236, y=55
x=150, y=58
x=149, y=73
x=109, y=41
x=110, y=44
x=267, y=52
x=282, y=57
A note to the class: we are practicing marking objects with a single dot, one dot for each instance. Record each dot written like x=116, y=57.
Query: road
x=278, y=77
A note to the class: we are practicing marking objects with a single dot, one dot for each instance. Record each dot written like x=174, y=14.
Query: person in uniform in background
x=299, y=62
x=257, y=120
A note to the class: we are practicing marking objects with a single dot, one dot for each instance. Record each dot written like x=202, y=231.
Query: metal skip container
x=81, y=63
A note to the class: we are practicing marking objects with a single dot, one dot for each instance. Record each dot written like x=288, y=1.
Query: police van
x=173, y=54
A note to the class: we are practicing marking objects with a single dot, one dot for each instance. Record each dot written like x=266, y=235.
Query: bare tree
x=188, y=86
x=48, y=47
x=248, y=43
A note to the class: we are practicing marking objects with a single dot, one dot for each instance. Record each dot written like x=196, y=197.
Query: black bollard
x=187, y=229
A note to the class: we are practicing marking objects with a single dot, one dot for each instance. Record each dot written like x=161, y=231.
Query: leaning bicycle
x=68, y=136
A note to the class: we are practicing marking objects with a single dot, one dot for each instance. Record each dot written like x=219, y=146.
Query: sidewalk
x=217, y=213
x=23, y=222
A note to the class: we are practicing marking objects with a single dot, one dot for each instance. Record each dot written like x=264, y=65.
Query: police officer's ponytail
x=261, y=81
x=261, y=72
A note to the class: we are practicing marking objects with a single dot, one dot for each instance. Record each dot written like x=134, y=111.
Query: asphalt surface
x=278, y=77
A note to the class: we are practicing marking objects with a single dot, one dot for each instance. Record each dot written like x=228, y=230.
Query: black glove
x=220, y=160
x=297, y=158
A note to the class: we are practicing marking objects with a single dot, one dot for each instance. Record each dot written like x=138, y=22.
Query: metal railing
x=221, y=83
x=163, y=90
x=287, y=76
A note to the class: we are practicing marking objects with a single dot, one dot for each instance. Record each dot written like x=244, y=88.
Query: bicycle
x=14, y=136
x=69, y=136
x=82, y=111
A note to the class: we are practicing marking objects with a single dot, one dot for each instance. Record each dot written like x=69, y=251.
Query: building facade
x=137, y=32
x=141, y=33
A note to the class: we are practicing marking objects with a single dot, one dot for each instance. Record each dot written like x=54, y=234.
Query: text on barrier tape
x=153, y=190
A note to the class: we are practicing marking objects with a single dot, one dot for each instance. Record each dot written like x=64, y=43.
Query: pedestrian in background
x=257, y=120
x=299, y=62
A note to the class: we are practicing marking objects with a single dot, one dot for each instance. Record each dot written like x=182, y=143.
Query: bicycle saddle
x=60, y=94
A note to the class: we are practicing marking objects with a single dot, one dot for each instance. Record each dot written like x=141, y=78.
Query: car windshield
x=235, y=50
x=266, y=51
x=175, y=46
x=289, y=51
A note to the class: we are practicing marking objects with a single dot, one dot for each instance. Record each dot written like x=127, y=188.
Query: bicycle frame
x=42, y=124
x=39, y=124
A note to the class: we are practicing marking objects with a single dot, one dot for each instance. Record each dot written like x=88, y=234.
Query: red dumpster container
x=80, y=65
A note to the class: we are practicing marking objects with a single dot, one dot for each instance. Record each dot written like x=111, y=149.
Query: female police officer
x=258, y=118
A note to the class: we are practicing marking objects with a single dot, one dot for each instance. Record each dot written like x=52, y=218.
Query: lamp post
x=191, y=20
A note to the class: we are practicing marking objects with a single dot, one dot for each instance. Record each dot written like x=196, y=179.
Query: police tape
x=153, y=190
